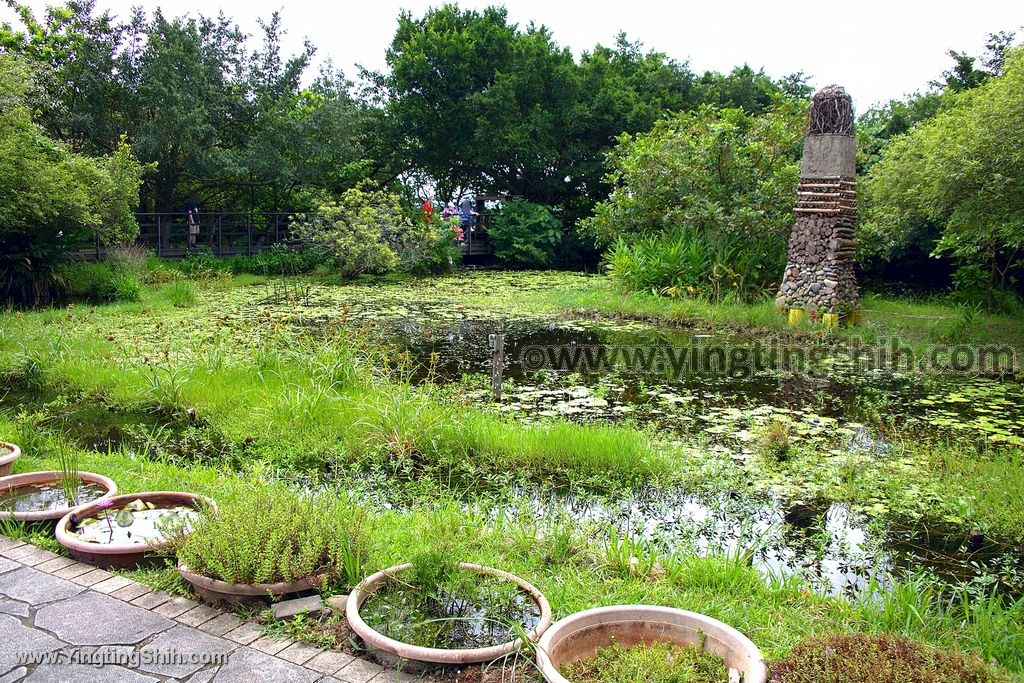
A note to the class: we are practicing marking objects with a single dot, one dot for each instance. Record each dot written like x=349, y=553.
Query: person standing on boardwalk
x=192, y=217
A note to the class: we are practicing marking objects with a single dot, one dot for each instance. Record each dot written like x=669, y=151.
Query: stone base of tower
x=819, y=276
x=820, y=280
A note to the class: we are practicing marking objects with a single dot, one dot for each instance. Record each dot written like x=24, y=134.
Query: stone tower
x=820, y=279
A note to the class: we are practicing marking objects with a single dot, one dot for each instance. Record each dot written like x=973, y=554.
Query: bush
x=712, y=171
x=274, y=534
x=89, y=282
x=281, y=260
x=689, y=263
x=354, y=229
x=525, y=234
x=428, y=247
x=863, y=658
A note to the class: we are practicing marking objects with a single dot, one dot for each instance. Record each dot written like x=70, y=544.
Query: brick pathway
x=51, y=604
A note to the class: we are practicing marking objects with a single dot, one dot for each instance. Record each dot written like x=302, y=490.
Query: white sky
x=877, y=50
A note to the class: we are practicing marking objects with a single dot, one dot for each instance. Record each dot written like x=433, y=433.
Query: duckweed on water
x=655, y=663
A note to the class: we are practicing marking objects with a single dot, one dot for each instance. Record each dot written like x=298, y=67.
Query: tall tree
x=961, y=170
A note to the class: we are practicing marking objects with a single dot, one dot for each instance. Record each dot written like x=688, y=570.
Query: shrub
x=863, y=658
x=710, y=170
x=281, y=260
x=90, y=282
x=690, y=263
x=353, y=231
x=274, y=534
x=428, y=247
x=202, y=266
x=525, y=234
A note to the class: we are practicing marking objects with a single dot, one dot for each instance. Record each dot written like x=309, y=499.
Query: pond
x=716, y=392
x=711, y=394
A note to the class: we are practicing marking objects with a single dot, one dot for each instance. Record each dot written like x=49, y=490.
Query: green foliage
x=712, y=170
x=525, y=234
x=180, y=293
x=354, y=229
x=99, y=283
x=774, y=441
x=428, y=247
x=659, y=662
x=862, y=658
x=118, y=198
x=196, y=100
x=50, y=199
x=960, y=171
x=686, y=263
x=474, y=101
x=276, y=534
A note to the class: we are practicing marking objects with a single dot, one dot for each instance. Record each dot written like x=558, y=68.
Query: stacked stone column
x=820, y=281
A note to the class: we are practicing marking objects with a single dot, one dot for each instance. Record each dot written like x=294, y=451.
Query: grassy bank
x=915, y=322
x=214, y=386
x=579, y=567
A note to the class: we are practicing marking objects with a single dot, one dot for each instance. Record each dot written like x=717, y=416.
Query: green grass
x=914, y=322
x=232, y=394
x=574, y=567
x=317, y=396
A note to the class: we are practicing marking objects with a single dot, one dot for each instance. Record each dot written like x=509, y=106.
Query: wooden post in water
x=497, y=363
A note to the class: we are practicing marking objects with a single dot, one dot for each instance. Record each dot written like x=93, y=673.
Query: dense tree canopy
x=472, y=102
x=51, y=199
x=961, y=170
x=236, y=126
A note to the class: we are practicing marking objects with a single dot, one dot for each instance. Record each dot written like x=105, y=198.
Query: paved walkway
x=59, y=619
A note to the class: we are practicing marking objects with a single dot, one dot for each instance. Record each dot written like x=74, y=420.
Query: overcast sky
x=878, y=50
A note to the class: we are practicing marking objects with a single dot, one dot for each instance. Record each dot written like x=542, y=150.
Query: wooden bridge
x=232, y=234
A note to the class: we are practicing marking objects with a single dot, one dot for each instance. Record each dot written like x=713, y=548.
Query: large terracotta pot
x=121, y=555
x=49, y=477
x=406, y=651
x=215, y=591
x=7, y=461
x=579, y=636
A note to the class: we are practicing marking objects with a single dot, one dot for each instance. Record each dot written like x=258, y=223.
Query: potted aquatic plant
x=613, y=644
x=122, y=531
x=438, y=611
x=9, y=452
x=272, y=542
x=49, y=495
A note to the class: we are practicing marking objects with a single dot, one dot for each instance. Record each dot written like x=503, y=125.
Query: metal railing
x=224, y=234
x=166, y=234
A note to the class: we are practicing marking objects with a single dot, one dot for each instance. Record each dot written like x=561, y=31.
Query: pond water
x=720, y=389
x=479, y=613
x=837, y=550
x=135, y=524
x=45, y=497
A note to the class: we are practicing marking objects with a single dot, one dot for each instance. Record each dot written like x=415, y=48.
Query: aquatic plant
x=68, y=460
x=864, y=658
x=655, y=663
